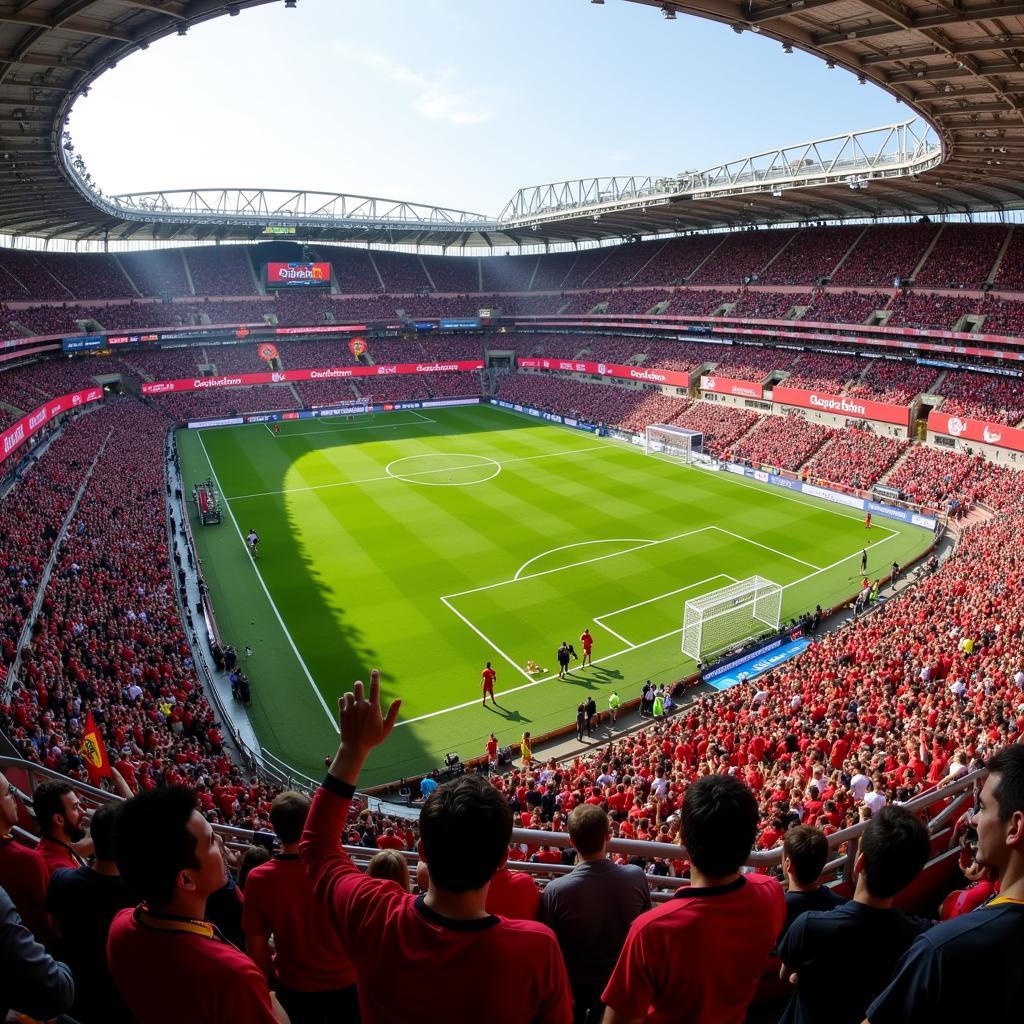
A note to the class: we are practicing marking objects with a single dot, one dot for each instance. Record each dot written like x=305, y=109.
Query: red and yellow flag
x=94, y=752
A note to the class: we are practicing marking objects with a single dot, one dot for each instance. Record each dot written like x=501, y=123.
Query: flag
x=95, y=753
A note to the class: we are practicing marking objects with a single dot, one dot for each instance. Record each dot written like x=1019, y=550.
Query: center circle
x=444, y=469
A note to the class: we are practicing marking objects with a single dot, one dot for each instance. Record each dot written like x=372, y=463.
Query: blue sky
x=453, y=102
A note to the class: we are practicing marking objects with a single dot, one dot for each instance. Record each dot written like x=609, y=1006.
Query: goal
x=729, y=615
x=675, y=442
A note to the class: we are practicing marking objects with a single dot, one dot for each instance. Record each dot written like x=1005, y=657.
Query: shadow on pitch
x=508, y=713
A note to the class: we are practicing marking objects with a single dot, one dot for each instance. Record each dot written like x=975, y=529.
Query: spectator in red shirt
x=169, y=963
x=61, y=820
x=444, y=941
x=389, y=841
x=698, y=957
x=23, y=872
x=316, y=981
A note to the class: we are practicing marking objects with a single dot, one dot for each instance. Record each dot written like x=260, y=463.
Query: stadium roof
x=958, y=64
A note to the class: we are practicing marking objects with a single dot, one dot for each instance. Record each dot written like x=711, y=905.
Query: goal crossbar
x=674, y=441
x=729, y=615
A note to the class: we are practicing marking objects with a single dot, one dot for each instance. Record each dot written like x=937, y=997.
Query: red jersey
x=382, y=926
x=487, y=676
x=308, y=956
x=587, y=640
x=25, y=877
x=492, y=750
x=170, y=970
x=513, y=894
x=57, y=855
x=699, y=956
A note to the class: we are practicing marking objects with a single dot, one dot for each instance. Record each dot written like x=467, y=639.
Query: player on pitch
x=487, y=678
x=586, y=642
x=252, y=542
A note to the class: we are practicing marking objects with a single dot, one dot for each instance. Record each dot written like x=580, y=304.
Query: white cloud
x=435, y=98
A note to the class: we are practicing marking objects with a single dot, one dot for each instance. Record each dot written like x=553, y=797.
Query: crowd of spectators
x=844, y=307
x=824, y=371
x=1010, y=275
x=749, y=363
x=899, y=703
x=954, y=481
x=623, y=264
x=856, y=458
x=583, y=267
x=722, y=425
x=353, y=270
x=917, y=309
x=767, y=305
x=109, y=638
x=402, y=272
x=1003, y=316
x=811, y=256
x=963, y=256
x=630, y=408
x=160, y=273
x=884, y=253
x=983, y=396
x=782, y=444
x=742, y=258
x=220, y=270
x=677, y=260
x=894, y=381
x=698, y=301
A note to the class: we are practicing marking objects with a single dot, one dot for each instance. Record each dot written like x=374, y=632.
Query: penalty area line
x=259, y=576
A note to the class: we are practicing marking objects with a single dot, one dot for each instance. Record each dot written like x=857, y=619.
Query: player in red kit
x=867, y=521
x=587, y=642
x=487, y=678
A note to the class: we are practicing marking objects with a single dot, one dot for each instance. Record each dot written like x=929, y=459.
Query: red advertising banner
x=14, y=437
x=160, y=387
x=728, y=386
x=648, y=374
x=850, y=406
x=977, y=430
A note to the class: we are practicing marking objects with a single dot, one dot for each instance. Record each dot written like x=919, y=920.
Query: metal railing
x=940, y=807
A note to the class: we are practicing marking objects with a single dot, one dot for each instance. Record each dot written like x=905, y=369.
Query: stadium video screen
x=291, y=275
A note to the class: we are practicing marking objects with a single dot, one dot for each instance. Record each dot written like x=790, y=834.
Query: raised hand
x=360, y=721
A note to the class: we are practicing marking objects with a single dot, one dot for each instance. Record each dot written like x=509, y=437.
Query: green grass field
x=429, y=542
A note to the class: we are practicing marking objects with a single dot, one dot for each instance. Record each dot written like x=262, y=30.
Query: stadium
x=709, y=481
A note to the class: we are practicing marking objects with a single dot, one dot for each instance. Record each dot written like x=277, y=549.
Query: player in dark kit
x=864, y=562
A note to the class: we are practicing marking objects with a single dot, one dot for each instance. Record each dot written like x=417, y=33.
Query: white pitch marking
x=641, y=542
x=573, y=565
x=599, y=619
x=792, y=558
x=344, y=430
x=651, y=600
x=487, y=640
x=259, y=576
x=378, y=479
x=856, y=554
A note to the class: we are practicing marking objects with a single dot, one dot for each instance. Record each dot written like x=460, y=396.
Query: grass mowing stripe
x=358, y=572
x=259, y=576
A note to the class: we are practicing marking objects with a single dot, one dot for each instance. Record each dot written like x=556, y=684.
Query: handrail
x=960, y=793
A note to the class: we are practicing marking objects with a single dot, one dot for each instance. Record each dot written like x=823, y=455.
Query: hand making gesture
x=362, y=727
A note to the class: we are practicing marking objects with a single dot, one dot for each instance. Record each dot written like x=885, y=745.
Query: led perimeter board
x=291, y=275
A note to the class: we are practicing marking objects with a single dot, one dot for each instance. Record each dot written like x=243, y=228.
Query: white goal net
x=675, y=442
x=729, y=615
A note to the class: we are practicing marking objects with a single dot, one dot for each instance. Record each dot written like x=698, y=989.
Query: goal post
x=675, y=442
x=729, y=615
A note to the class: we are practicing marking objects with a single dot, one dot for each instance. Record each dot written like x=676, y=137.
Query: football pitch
x=428, y=542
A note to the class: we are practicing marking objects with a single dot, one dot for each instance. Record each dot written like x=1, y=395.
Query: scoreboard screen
x=291, y=275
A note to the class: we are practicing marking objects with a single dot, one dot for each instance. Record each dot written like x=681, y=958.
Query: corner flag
x=95, y=753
